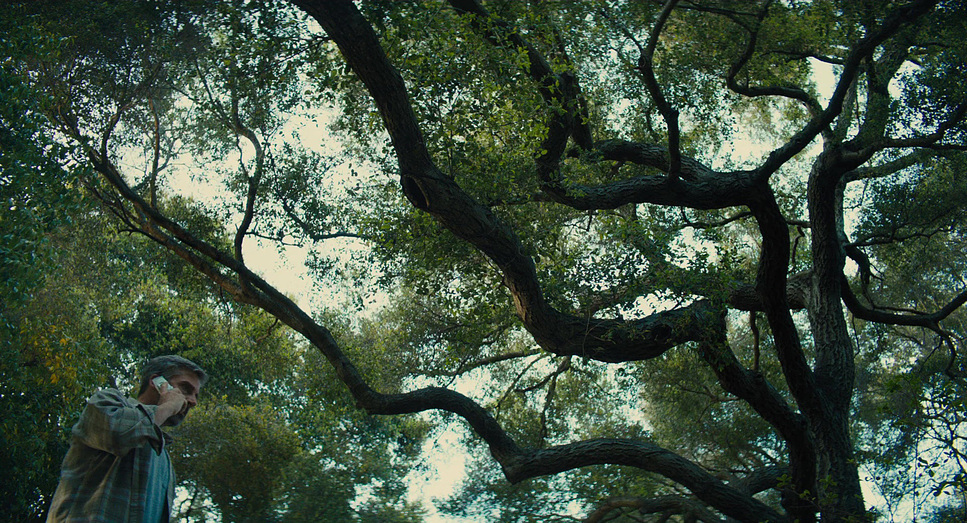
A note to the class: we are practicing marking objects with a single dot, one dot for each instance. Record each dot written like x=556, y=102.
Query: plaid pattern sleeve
x=103, y=476
x=116, y=424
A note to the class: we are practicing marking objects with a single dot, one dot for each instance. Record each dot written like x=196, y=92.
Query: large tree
x=564, y=201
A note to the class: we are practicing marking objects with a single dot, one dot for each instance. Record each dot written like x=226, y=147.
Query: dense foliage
x=689, y=259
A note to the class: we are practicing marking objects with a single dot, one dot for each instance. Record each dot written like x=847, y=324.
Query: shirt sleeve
x=116, y=424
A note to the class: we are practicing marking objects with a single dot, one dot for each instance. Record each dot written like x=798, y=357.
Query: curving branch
x=668, y=113
x=878, y=72
x=933, y=139
x=912, y=319
x=645, y=456
x=771, y=283
x=701, y=188
x=926, y=320
x=155, y=155
x=712, y=225
x=253, y=180
x=520, y=464
x=760, y=480
x=873, y=133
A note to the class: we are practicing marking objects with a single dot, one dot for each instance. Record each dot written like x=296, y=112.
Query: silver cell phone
x=159, y=381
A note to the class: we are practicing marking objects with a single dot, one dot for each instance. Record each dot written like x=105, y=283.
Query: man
x=117, y=469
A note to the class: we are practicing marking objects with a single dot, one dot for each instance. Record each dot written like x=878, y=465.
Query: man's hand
x=172, y=402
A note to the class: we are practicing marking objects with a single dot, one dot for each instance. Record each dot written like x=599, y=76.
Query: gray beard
x=174, y=420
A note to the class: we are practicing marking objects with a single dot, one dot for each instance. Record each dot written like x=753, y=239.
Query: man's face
x=190, y=386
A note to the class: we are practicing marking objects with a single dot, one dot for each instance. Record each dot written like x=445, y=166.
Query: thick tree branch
x=771, y=283
x=835, y=361
x=879, y=72
x=835, y=366
x=760, y=480
x=699, y=187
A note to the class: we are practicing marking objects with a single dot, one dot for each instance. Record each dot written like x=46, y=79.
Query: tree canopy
x=690, y=259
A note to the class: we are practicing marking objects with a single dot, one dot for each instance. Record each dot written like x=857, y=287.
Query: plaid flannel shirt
x=104, y=473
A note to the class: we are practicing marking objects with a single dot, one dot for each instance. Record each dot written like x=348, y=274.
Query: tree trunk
x=840, y=495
